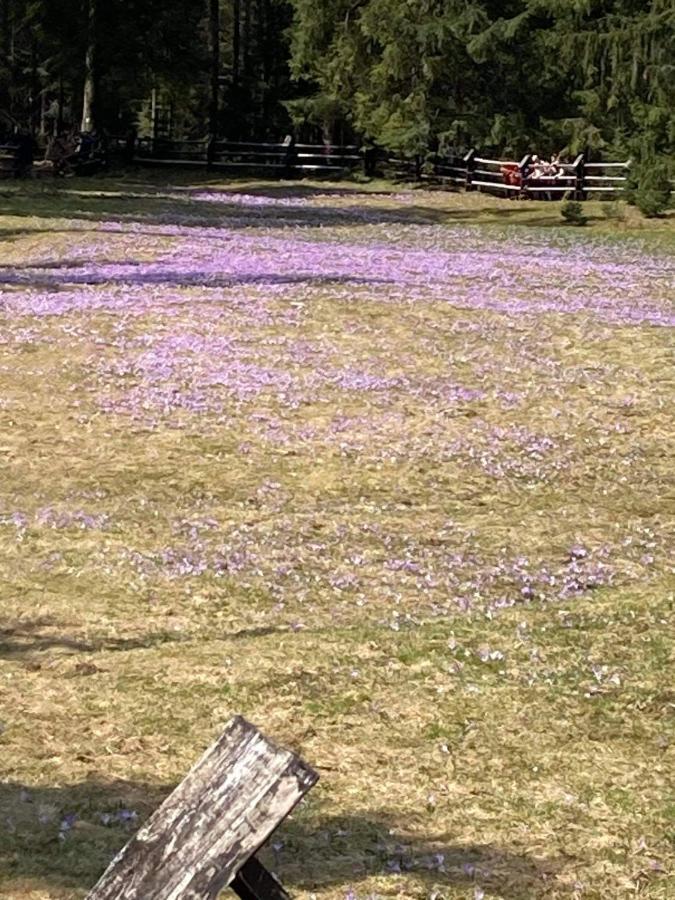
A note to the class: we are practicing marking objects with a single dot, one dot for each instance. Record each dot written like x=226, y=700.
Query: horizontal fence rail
x=508, y=178
x=267, y=157
x=529, y=177
x=482, y=173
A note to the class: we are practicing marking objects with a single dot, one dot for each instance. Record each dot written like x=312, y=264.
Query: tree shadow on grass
x=64, y=837
x=10, y=234
x=345, y=850
x=29, y=638
x=66, y=275
x=147, y=204
x=286, y=189
x=185, y=211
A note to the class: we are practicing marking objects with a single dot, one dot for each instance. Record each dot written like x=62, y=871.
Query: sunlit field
x=388, y=472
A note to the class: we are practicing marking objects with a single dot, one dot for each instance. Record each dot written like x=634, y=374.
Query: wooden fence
x=579, y=179
x=267, y=158
x=16, y=158
x=484, y=173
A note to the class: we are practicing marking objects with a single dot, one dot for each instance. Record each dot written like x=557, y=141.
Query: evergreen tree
x=510, y=75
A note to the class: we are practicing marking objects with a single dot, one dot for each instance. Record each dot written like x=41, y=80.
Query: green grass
x=525, y=752
x=153, y=196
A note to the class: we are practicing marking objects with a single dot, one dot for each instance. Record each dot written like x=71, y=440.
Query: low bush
x=572, y=212
x=650, y=187
x=614, y=210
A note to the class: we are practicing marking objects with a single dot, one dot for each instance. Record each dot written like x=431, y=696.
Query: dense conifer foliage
x=587, y=74
x=410, y=75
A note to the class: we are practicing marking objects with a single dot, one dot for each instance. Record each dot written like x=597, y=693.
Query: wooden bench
x=204, y=836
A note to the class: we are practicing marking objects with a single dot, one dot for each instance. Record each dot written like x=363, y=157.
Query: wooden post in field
x=470, y=163
x=205, y=834
x=579, y=175
x=522, y=168
x=210, y=150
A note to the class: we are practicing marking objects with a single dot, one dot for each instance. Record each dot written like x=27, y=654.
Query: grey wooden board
x=218, y=816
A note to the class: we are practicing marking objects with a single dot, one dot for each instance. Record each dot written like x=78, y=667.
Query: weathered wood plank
x=215, y=820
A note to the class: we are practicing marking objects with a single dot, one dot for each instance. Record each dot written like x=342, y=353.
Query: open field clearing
x=390, y=474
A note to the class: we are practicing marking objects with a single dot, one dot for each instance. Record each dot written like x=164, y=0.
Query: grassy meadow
x=388, y=472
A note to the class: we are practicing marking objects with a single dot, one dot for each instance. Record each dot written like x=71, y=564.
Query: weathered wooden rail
x=596, y=179
x=205, y=835
x=580, y=179
x=266, y=158
x=577, y=179
x=16, y=157
x=8, y=160
x=472, y=171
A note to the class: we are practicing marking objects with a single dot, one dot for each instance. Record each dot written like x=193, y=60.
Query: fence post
x=130, y=146
x=627, y=182
x=289, y=153
x=470, y=162
x=369, y=160
x=522, y=168
x=579, y=174
x=210, y=150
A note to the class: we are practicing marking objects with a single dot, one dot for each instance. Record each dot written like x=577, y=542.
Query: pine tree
x=508, y=75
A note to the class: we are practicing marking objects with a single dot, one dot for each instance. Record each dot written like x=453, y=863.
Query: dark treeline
x=408, y=75
x=113, y=63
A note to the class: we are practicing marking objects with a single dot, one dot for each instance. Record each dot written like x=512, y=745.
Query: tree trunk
x=6, y=94
x=89, y=93
x=246, y=40
x=6, y=40
x=35, y=98
x=264, y=52
x=59, y=121
x=236, y=29
x=214, y=31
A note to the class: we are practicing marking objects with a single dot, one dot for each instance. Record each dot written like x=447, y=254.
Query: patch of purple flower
x=432, y=357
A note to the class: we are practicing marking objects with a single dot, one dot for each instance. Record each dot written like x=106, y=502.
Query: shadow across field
x=147, y=208
x=66, y=275
x=342, y=851
x=64, y=837
x=285, y=190
x=204, y=207
x=28, y=639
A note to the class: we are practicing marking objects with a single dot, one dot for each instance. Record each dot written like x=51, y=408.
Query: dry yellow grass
x=300, y=563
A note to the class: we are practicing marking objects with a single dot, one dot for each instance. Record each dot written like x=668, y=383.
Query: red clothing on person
x=511, y=174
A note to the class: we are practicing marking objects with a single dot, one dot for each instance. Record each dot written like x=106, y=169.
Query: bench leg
x=254, y=882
